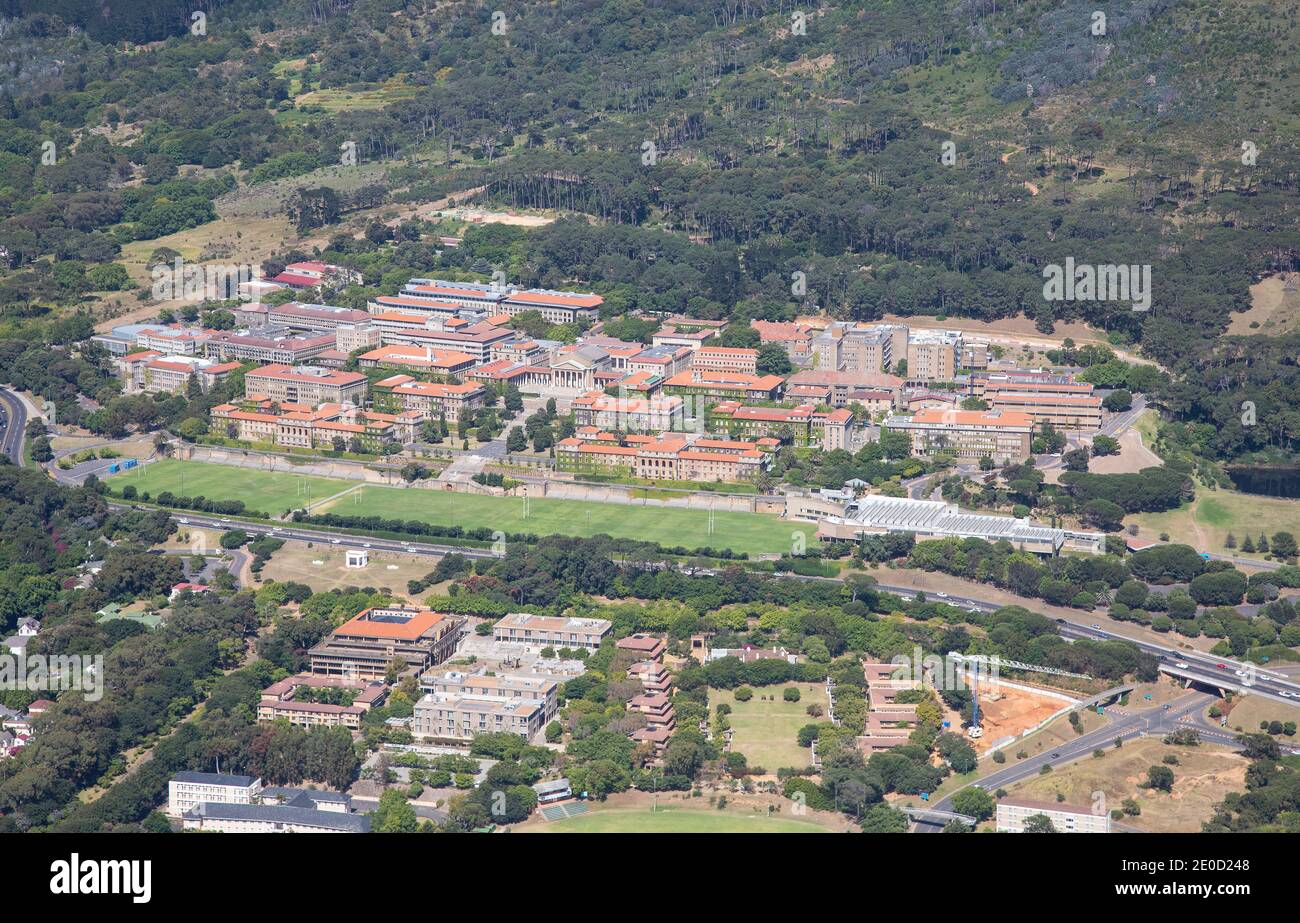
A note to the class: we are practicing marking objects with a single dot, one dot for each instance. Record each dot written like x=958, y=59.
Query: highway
x=14, y=420
x=1126, y=726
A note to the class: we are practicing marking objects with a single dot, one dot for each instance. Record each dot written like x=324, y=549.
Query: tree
x=1284, y=545
x=974, y=802
x=516, y=440
x=883, y=819
x=1105, y=445
x=1039, y=823
x=192, y=428
x=773, y=360
x=1118, y=401
x=1160, y=778
x=1077, y=460
x=394, y=814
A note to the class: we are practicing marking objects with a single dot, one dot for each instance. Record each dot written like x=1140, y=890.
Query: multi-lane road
x=13, y=418
x=1181, y=712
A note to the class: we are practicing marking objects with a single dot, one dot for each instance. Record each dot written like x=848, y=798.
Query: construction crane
x=978, y=661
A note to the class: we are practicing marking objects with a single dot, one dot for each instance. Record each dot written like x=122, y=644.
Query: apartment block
x=1012, y=813
x=537, y=631
x=186, y=789
x=280, y=701
x=795, y=339
x=506, y=686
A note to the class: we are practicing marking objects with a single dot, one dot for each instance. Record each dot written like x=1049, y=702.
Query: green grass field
x=767, y=731
x=268, y=491
x=274, y=492
x=677, y=821
x=749, y=532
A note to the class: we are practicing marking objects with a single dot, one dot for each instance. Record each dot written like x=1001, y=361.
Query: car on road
x=335, y=541
x=365, y=544
x=1182, y=664
x=942, y=595
x=1056, y=756
x=1165, y=707
x=1220, y=666
x=1096, y=628
x=184, y=522
x=223, y=519
x=1240, y=672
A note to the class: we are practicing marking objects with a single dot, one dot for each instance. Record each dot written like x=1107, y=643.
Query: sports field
x=269, y=491
x=749, y=532
x=275, y=492
x=669, y=820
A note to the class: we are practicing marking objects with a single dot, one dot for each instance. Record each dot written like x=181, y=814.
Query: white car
x=942, y=595
x=365, y=544
x=1182, y=664
x=184, y=522
x=1240, y=672
x=335, y=541
x=225, y=520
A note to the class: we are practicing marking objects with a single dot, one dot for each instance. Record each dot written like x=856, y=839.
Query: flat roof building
x=306, y=384
x=186, y=789
x=933, y=519
x=1012, y=813
x=1002, y=436
x=551, y=631
x=364, y=646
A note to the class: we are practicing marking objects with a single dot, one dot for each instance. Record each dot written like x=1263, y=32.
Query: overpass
x=932, y=816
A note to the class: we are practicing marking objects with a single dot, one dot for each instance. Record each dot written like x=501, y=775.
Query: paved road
x=15, y=424
x=1126, y=726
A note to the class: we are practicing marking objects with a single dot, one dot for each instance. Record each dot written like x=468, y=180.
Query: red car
x=1221, y=666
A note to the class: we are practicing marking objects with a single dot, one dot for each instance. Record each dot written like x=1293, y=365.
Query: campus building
x=538, y=631
x=726, y=359
x=632, y=414
x=212, y=817
x=363, y=647
x=933, y=519
x=402, y=393
x=804, y=425
x=186, y=789
x=424, y=359
x=933, y=355
x=279, y=701
x=460, y=718
x=713, y=387
x=268, y=344
x=313, y=317
x=795, y=339
x=150, y=372
x=505, y=686
x=1013, y=812
x=1063, y=405
x=668, y=456
x=839, y=385
x=306, y=384
x=969, y=434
